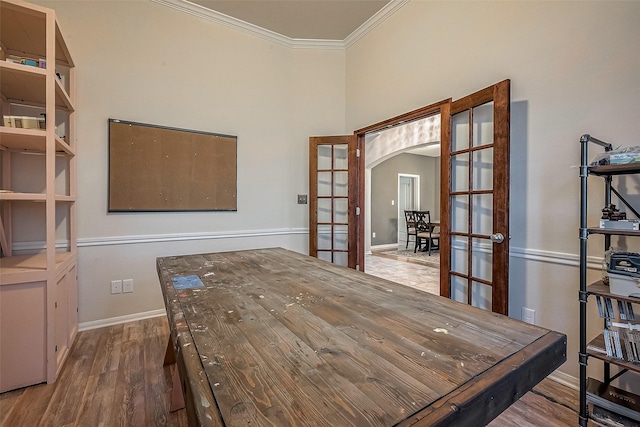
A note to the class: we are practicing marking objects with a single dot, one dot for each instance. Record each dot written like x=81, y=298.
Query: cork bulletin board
x=158, y=168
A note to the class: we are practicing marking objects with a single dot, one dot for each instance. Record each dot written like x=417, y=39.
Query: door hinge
x=358, y=211
x=56, y=348
x=56, y=304
x=357, y=152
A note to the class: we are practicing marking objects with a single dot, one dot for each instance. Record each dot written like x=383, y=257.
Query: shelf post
x=584, y=173
x=583, y=294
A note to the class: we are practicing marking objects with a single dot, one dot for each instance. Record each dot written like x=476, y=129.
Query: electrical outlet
x=528, y=315
x=116, y=286
x=127, y=285
x=302, y=199
x=373, y=234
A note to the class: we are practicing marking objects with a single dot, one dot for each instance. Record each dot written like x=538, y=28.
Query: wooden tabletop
x=271, y=337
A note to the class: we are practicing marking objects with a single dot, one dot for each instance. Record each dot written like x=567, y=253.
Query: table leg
x=169, y=355
x=177, y=398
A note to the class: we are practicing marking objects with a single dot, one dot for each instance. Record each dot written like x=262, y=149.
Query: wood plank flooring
x=114, y=377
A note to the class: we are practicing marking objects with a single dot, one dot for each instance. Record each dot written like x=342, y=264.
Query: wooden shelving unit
x=38, y=281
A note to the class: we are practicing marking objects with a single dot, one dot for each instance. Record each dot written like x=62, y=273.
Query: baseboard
x=384, y=247
x=86, y=326
x=565, y=380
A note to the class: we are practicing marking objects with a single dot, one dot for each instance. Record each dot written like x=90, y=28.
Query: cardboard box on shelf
x=24, y=122
x=626, y=286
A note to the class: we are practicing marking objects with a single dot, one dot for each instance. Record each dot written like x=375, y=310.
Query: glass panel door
x=330, y=216
x=476, y=268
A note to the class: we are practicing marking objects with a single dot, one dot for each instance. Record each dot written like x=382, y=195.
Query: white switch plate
x=374, y=234
x=116, y=286
x=127, y=285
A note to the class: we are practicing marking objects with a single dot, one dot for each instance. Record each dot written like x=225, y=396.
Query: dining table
x=272, y=337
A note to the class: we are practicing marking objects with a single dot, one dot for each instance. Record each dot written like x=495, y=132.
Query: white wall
x=574, y=69
x=140, y=61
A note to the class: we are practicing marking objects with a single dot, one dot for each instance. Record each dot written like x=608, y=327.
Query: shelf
x=62, y=146
x=24, y=32
x=63, y=101
x=25, y=84
x=65, y=199
x=599, y=288
x=35, y=197
x=609, y=232
x=27, y=197
x=596, y=349
x=615, y=169
x=30, y=268
x=30, y=140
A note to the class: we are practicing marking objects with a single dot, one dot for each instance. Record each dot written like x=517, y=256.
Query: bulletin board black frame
x=155, y=168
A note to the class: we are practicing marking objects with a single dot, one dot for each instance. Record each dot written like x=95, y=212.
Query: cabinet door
x=22, y=335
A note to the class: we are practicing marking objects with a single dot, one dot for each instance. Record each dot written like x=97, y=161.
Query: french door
x=332, y=199
x=474, y=262
x=474, y=196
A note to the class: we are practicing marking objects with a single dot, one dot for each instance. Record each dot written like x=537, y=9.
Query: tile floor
x=411, y=274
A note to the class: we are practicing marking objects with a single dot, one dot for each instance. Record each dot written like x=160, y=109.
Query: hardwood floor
x=114, y=377
x=549, y=404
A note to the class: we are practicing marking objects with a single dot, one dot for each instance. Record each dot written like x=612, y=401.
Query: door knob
x=497, y=238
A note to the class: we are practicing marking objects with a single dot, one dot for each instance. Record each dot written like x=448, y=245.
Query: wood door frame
x=442, y=108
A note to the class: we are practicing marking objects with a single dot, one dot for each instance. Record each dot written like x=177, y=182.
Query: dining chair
x=426, y=231
x=410, y=220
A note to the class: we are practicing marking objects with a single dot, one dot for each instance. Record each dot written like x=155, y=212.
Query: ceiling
x=431, y=150
x=300, y=19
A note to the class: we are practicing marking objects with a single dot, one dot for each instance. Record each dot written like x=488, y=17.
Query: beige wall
x=574, y=69
x=140, y=61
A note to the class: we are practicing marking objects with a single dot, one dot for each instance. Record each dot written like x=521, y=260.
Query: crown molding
x=389, y=9
x=237, y=24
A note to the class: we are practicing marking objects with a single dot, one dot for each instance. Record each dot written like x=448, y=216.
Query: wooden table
x=276, y=338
